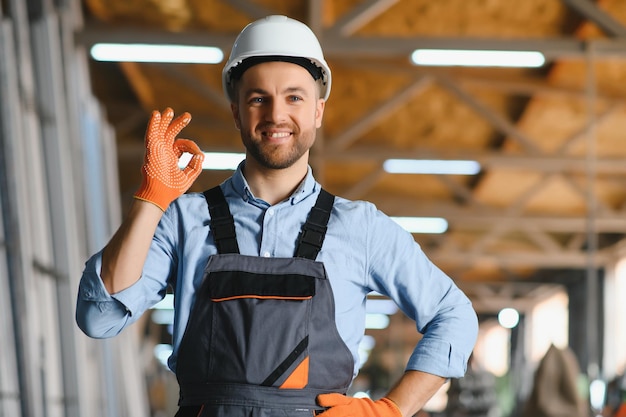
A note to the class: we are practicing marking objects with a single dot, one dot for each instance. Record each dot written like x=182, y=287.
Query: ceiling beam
x=315, y=16
x=488, y=160
x=491, y=297
x=480, y=218
x=358, y=190
x=250, y=9
x=599, y=17
x=363, y=124
x=359, y=16
x=95, y=32
x=552, y=48
x=194, y=84
x=459, y=190
x=520, y=85
x=503, y=125
x=520, y=259
x=365, y=46
x=532, y=87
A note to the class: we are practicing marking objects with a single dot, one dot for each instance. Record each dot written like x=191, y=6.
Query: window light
x=477, y=58
x=137, y=52
x=376, y=321
x=167, y=303
x=435, y=225
x=431, y=166
x=381, y=306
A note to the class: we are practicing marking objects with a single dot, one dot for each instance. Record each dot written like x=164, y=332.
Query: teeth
x=278, y=134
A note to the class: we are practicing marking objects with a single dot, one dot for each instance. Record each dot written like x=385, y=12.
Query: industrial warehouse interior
x=533, y=232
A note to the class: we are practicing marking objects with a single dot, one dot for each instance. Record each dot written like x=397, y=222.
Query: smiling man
x=270, y=271
x=277, y=110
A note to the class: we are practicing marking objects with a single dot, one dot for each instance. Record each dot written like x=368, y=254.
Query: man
x=270, y=272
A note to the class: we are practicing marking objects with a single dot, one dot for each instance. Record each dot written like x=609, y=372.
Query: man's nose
x=277, y=111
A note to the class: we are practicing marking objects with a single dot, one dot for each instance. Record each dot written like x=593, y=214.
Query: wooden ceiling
x=552, y=191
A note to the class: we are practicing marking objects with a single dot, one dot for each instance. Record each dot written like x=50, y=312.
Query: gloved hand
x=163, y=180
x=343, y=406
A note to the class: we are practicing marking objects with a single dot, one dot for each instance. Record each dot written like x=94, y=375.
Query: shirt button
x=266, y=254
x=270, y=212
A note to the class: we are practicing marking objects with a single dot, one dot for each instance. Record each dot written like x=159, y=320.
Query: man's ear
x=235, y=111
x=319, y=112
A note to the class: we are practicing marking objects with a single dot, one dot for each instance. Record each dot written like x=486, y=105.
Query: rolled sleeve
x=443, y=314
x=447, y=343
x=98, y=313
x=438, y=357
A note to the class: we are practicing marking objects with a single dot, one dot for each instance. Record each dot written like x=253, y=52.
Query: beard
x=278, y=156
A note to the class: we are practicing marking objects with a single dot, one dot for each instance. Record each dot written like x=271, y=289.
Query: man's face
x=278, y=110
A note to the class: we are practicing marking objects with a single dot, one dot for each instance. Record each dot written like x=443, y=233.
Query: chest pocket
x=267, y=319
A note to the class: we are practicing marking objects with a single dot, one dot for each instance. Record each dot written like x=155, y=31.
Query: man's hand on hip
x=343, y=406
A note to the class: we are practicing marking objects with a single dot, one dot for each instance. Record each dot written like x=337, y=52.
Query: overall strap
x=222, y=222
x=314, y=230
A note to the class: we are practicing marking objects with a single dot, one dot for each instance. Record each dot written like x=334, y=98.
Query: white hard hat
x=277, y=38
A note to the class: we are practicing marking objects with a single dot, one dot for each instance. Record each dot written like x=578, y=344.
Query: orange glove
x=343, y=406
x=163, y=180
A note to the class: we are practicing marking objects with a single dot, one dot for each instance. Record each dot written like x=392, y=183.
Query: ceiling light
x=435, y=225
x=431, y=166
x=508, y=317
x=482, y=58
x=216, y=160
x=137, y=52
x=597, y=394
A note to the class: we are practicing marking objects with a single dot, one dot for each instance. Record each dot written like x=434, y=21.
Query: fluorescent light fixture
x=431, y=166
x=477, y=58
x=435, y=225
x=216, y=160
x=138, y=52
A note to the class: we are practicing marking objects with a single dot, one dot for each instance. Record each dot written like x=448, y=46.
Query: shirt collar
x=307, y=187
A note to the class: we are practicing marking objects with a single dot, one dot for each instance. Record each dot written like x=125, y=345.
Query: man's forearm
x=124, y=256
x=414, y=390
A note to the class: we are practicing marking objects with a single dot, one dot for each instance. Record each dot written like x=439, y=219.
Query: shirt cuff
x=92, y=289
x=91, y=285
x=437, y=357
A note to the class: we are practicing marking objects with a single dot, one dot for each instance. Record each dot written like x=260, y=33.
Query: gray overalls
x=261, y=339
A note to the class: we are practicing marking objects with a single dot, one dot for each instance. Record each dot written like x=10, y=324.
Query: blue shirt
x=364, y=251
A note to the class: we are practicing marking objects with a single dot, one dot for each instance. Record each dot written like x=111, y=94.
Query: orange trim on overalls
x=299, y=378
x=261, y=297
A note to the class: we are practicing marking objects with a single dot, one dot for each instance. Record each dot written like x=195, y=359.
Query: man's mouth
x=276, y=135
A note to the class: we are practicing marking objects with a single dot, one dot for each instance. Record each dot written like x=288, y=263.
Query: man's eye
x=257, y=100
x=295, y=98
